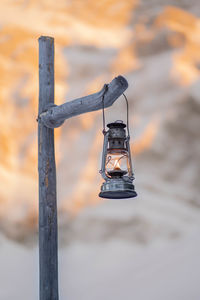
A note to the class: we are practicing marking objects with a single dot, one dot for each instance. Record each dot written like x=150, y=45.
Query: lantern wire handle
x=104, y=126
x=127, y=111
x=127, y=118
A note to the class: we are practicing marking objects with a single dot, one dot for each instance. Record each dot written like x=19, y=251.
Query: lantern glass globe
x=116, y=162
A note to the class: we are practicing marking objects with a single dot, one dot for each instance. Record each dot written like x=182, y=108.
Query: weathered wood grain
x=47, y=177
x=55, y=116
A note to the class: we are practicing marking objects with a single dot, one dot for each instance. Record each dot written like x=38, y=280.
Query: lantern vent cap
x=116, y=124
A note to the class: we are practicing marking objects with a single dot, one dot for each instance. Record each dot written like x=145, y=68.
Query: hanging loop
x=127, y=113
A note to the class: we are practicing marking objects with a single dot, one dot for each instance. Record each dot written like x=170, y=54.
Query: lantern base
x=117, y=189
x=118, y=195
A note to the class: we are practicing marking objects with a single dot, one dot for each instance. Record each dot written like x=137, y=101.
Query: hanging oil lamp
x=116, y=167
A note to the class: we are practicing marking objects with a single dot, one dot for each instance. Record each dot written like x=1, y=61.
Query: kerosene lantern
x=116, y=167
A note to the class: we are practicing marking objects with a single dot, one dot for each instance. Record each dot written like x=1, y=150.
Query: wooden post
x=48, y=256
x=49, y=117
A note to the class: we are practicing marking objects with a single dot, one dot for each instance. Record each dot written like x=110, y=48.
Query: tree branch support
x=54, y=116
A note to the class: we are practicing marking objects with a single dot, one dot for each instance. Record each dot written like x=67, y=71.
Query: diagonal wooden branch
x=54, y=116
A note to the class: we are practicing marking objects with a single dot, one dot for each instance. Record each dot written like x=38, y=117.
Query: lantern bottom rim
x=117, y=194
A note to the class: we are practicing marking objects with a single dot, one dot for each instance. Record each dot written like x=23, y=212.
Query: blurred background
x=143, y=248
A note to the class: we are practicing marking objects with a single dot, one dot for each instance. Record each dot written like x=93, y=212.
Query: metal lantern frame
x=117, y=187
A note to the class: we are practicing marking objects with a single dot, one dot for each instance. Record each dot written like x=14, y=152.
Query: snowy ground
x=106, y=261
